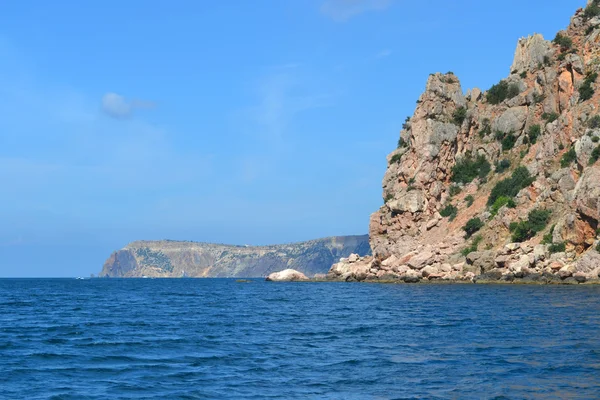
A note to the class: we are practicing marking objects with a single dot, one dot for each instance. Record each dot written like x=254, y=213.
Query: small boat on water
x=79, y=278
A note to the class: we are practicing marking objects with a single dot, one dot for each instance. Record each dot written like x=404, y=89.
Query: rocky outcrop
x=287, y=275
x=175, y=259
x=502, y=185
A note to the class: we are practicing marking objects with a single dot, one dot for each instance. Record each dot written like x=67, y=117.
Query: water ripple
x=192, y=339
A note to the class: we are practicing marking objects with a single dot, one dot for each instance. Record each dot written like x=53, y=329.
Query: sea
x=230, y=339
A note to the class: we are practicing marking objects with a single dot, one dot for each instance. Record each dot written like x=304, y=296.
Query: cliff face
x=173, y=259
x=476, y=172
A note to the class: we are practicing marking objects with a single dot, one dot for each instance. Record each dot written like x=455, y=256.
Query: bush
x=586, y=91
x=406, y=124
x=508, y=142
x=558, y=247
x=594, y=122
x=563, y=41
x=598, y=247
x=501, y=202
x=592, y=10
x=523, y=74
x=536, y=222
x=595, y=155
x=513, y=90
x=454, y=190
x=547, y=239
x=538, y=97
x=473, y=247
x=568, y=158
x=388, y=198
x=402, y=143
x=472, y=226
x=459, y=115
x=595, y=139
x=469, y=168
x=510, y=187
x=502, y=165
x=449, y=211
x=469, y=200
x=497, y=93
x=550, y=117
x=396, y=158
x=534, y=132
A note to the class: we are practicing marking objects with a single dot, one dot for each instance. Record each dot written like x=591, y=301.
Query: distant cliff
x=174, y=259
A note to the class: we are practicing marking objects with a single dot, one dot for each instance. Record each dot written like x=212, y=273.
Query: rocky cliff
x=176, y=259
x=502, y=184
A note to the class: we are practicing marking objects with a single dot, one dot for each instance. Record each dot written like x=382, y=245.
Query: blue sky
x=242, y=122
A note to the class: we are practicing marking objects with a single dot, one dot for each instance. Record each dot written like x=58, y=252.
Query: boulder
x=429, y=271
x=566, y=271
x=287, y=275
x=421, y=259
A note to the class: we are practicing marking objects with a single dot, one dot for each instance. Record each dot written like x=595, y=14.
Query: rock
x=287, y=275
x=482, y=261
x=587, y=193
x=511, y=247
x=580, y=277
x=413, y=201
x=353, y=258
x=539, y=253
x=502, y=260
x=428, y=271
x=512, y=120
x=421, y=260
x=589, y=262
x=411, y=276
x=566, y=271
x=492, y=275
x=530, y=53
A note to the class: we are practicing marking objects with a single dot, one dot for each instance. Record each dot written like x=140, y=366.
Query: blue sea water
x=218, y=338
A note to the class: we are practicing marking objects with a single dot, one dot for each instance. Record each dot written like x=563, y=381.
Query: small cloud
x=343, y=10
x=117, y=106
x=384, y=53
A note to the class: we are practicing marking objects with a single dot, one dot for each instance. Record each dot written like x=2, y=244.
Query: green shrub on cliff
x=396, y=158
x=459, y=115
x=536, y=222
x=592, y=10
x=501, y=202
x=510, y=187
x=534, y=132
x=595, y=155
x=502, y=165
x=469, y=200
x=586, y=91
x=568, y=158
x=473, y=225
x=594, y=122
x=473, y=247
x=563, y=41
x=550, y=117
x=598, y=247
x=449, y=211
x=557, y=247
x=502, y=91
x=468, y=168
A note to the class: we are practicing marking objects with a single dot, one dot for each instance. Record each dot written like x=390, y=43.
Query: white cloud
x=343, y=10
x=117, y=106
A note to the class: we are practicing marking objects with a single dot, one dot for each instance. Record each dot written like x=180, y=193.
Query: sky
x=225, y=121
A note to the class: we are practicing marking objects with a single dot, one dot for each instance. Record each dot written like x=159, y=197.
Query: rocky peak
x=531, y=52
x=474, y=173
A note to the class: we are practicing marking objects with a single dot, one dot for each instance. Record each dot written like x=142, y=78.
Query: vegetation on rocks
x=557, y=247
x=473, y=247
x=502, y=165
x=459, y=116
x=594, y=122
x=533, y=133
x=586, y=91
x=563, y=41
x=449, y=211
x=595, y=155
x=473, y=225
x=568, y=158
x=510, y=187
x=502, y=91
x=592, y=10
x=469, y=168
x=454, y=190
x=469, y=200
x=550, y=117
x=396, y=158
x=536, y=222
x=501, y=202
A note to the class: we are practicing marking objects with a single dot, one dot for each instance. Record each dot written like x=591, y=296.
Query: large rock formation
x=175, y=259
x=476, y=172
